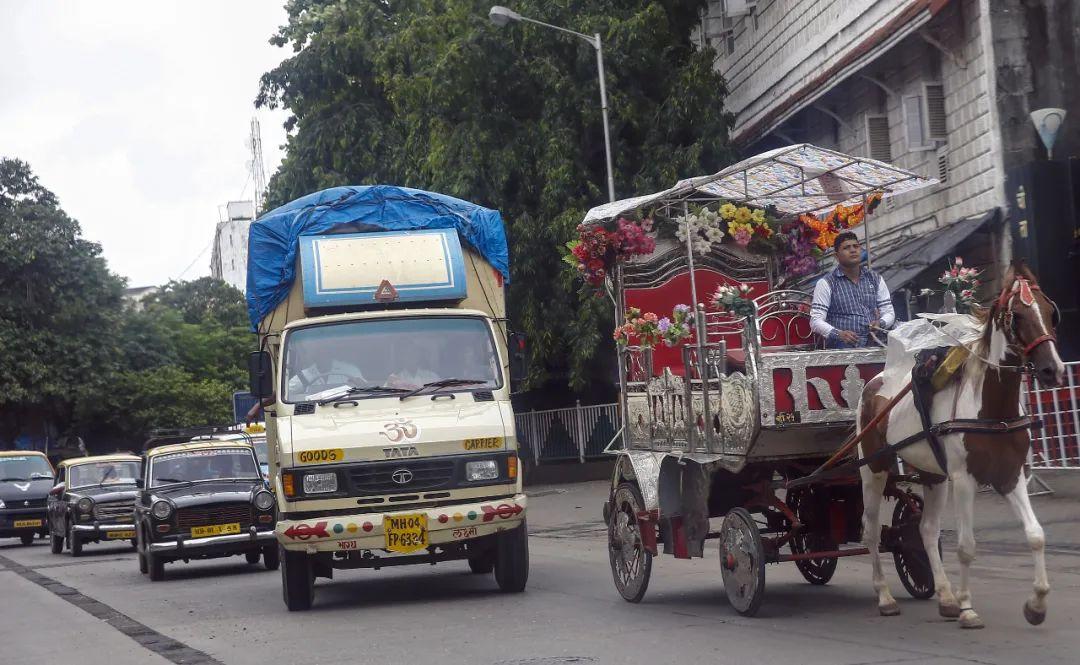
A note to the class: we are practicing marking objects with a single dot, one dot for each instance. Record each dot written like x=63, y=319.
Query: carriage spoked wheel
x=742, y=561
x=815, y=571
x=912, y=563
x=631, y=565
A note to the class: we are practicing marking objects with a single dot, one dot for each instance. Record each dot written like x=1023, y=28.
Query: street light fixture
x=502, y=16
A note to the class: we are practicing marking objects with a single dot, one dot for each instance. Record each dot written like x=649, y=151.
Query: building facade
x=943, y=88
x=229, y=259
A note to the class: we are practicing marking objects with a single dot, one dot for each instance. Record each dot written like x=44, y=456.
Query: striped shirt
x=840, y=304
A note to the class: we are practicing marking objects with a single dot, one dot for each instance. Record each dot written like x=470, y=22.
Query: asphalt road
x=99, y=609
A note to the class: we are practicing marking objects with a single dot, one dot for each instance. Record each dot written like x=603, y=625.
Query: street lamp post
x=501, y=16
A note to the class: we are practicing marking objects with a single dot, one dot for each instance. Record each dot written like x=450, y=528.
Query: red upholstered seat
x=736, y=359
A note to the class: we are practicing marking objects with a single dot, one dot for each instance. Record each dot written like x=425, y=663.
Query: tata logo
x=401, y=476
x=400, y=452
x=401, y=430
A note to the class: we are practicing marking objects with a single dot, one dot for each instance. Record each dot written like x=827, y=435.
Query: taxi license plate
x=121, y=535
x=215, y=530
x=19, y=524
x=405, y=533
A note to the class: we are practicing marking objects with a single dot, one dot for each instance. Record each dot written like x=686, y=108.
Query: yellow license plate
x=324, y=456
x=121, y=535
x=487, y=443
x=19, y=524
x=215, y=530
x=405, y=533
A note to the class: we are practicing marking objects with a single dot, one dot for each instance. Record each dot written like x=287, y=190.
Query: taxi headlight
x=320, y=483
x=162, y=510
x=482, y=470
x=85, y=505
x=264, y=501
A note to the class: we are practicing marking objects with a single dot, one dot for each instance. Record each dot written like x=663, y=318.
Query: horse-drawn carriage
x=718, y=427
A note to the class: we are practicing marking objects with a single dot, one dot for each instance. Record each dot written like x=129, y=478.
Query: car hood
x=207, y=493
x=23, y=490
x=107, y=493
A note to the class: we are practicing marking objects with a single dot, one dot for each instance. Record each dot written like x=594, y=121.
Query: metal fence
x=579, y=432
x=1055, y=446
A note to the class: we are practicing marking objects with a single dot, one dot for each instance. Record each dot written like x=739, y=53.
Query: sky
x=137, y=116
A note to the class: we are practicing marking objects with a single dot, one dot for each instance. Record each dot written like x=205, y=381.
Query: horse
x=1018, y=333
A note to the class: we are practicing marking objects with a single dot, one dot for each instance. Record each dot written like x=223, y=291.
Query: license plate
x=215, y=530
x=405, y=533
x=19, y=524
x=120, y=535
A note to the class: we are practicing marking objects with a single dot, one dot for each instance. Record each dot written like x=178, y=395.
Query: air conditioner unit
x=733, y=8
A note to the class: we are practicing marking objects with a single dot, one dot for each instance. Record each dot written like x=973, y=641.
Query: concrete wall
x=229, y=260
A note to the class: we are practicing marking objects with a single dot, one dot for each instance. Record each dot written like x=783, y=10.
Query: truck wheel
x=156, y=565
x=270, y=557
x=483, y=563
x=512, y=559
x=56, y=543
x=252, y=557
x=297, y=580
x=27, y=538
x=74, y=544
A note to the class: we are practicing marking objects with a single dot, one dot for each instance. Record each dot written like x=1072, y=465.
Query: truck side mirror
x=260, y=374
x=519, y=360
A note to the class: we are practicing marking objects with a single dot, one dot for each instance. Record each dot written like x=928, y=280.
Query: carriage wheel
x=631, y=565
x=742, y=561
x=815, y=571
x=912, y=563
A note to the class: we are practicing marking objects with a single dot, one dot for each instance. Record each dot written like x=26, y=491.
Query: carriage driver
x=850, y=301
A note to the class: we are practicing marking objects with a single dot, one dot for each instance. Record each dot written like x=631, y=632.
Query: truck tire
x=297, y=580
x=271, y=559
x=483, y=563
x=512, y=559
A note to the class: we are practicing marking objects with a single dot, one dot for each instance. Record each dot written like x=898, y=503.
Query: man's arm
x=819, y=309
x=886, y=316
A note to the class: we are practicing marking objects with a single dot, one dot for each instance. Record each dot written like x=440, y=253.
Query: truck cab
x=385, y=378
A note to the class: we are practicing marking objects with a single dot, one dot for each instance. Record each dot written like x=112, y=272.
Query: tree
x=59, y=304
x=427, y=93
x=204, y=300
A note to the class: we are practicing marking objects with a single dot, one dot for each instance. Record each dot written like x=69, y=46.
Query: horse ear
x=1020, y=269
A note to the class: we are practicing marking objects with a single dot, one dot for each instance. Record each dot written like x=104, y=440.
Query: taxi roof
x=116, y=457
x=196, y=445
x=22, y=453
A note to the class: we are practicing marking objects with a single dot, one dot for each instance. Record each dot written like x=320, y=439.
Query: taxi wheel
x=512, y=559
x=27, y=538
x=143, y=567
x=56, y=543
x=74, y=544
x=156, y=565
x=270, y=557
x=297, y=580
x=252, y=557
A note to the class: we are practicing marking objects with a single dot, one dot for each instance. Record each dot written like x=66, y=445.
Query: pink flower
x=742, y=236
x=650, y=317
x=959, y=261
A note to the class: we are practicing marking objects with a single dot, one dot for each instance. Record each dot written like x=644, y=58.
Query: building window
x=924, y=118
x=878, y=145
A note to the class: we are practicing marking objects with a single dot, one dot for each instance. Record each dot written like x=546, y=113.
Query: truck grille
x=114, y=511
x=224, y=513
x=379, y=478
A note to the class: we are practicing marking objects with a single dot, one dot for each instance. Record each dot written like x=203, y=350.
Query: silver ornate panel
x=797, y=362
x=738, y=413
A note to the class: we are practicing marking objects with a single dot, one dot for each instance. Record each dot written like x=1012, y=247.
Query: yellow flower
x=727, y=211
x=743, y=215
x=758, y=216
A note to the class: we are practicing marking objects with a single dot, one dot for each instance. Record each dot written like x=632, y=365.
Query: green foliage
x=204, y=300
x=429, y=94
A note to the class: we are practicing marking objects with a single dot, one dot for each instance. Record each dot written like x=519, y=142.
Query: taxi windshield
x=200, y=465
x=402, y=354
x=103, y=473
x=24, y=467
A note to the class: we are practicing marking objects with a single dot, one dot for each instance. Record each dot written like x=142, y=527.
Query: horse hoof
x=949, y=611
x=890, y=610
x=1033, y=616
x=972, y=621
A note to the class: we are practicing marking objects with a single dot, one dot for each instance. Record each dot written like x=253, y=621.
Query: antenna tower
x=258, y=172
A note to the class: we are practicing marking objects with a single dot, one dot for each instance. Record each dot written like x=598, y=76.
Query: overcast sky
x=136, y=114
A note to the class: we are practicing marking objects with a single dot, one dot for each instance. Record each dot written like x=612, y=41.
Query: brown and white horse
x=1019, y=330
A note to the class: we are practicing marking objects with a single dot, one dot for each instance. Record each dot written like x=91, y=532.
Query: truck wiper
x=357, y=391
x=443, y=383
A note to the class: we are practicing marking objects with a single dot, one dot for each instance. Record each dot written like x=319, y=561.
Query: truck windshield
x=397, y=353
x=103, y=473
x=197, y=465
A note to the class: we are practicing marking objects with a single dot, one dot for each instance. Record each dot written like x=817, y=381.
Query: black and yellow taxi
x=203, y=500
x=93, y=501
x=25, y=480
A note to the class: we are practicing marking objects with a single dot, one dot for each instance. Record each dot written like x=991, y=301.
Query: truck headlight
x=482, y=470
x=85, y=505
x=320, y=483
x=264, y=501
x=162, y=510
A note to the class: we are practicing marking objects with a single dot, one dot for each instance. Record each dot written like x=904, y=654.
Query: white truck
x=384, y=372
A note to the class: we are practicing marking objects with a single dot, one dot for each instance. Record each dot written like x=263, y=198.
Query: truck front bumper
x=364, y=531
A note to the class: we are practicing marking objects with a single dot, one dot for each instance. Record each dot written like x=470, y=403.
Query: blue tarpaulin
x=275, y=237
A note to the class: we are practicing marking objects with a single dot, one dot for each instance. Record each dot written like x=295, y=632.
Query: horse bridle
x=1024, y=289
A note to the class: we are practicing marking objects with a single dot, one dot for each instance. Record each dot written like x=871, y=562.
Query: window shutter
x=943, y=163
x=913, y=122
x=878, y=145
x=935, y=112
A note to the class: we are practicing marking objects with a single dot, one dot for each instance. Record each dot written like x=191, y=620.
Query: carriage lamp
x=482, y=470
x=162, y=510
x=264, y=500
x=320, y=483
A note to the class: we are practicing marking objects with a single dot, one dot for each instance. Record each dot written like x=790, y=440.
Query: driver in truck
x=320, y=369
x=414, y=372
